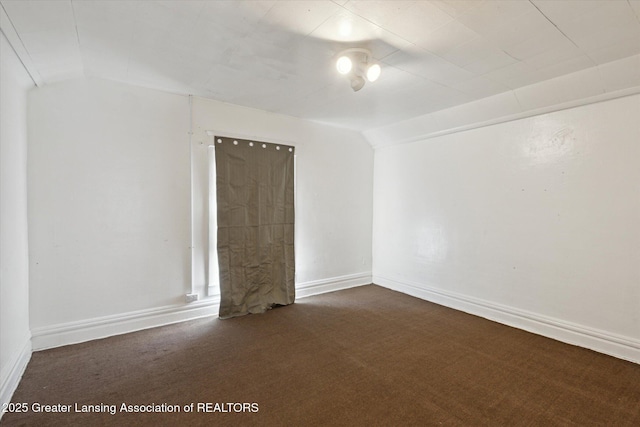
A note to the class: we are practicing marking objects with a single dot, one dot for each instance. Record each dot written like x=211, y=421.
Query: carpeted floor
x=363, y=356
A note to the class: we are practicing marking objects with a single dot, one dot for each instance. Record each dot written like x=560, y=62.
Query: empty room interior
x=320, y=212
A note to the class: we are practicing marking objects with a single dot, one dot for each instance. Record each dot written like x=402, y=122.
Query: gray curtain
x=255, y=197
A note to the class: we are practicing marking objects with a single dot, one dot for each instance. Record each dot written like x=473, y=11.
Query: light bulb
x=344, y=64
x=373, y=72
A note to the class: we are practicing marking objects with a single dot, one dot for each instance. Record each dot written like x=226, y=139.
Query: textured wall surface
x=109, y=197
x=14, y=249
x=539, y=214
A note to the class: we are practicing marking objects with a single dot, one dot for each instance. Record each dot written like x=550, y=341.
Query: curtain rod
x=268, y=140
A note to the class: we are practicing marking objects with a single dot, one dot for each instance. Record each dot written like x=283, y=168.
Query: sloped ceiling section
x=607, y=81
x=513, y=55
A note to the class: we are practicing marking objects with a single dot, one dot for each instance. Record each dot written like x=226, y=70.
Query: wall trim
x=106, y=326
x=317, y=287
x=567, y=105
x=117, y=324
x=571, y=333
x=13, y=372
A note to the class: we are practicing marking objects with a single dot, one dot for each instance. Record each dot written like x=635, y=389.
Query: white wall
x=15, y=345
x=109, y=205
x=532, y=222
x=108, y=201
x=334, y=186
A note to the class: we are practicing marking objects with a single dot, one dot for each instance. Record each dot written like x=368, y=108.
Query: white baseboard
x=601, y=341
x=12, y=373
x=103, y=327
x=316, y=287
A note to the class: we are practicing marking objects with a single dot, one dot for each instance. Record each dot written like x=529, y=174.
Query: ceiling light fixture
x=356, y=64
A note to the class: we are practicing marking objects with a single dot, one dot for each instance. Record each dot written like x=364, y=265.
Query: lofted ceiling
x=278, y=55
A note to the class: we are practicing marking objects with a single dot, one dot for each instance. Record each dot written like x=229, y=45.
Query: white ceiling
x=278, y=55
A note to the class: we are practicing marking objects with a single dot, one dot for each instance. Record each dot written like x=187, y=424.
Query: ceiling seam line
x=321, y=24
x=453, y=19
x=443, y=85
x=377, y=25
x=14, y=49
x=561, y=32
x=19, y=59
x=604, y=90
x=75, y=25
x=515, y=95
x=554, y=24
x=634, y=11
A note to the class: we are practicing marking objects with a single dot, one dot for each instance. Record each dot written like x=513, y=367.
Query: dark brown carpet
x=363, y=356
